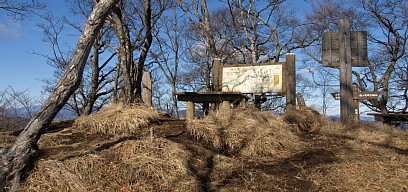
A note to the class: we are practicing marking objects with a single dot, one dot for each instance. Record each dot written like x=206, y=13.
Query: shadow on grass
x=102, y=147
x=382, y=145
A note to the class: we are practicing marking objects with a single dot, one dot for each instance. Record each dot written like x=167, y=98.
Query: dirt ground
x=317, y=158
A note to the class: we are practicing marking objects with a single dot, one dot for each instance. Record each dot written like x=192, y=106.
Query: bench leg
x=225, y=106
x=190, y=110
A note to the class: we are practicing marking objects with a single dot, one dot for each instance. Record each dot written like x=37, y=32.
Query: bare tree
x=199, y=16
x=25, y=149
x=170, y=49
x=389, y=32
x=93, y=90
x=133, y=22
x=383, y=20
x=20, y=9
x=16, y=108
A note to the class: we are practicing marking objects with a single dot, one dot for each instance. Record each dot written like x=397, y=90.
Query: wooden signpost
x=147, y=88
x=358, y=96
x=278, y=77
x=231, y=82
x=345, y=49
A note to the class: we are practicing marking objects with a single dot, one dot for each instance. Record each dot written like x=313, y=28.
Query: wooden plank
x=346, y=91
x=147, y=88
x=290, y=82
x=331, y=49
x=359, y=53
x=389, y=118
x=216, y=74
x=211, y=97
x=356, y=105
x=251, y=65
x=190, y=110
x=366, y=95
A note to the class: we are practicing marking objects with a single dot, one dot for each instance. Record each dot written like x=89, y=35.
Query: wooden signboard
x=336, y=95
x=359, y=95
x=331, y=49
x=366, y=95
x=259, y=78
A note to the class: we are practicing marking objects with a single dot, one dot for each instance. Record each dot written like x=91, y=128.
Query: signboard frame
x=273, y=74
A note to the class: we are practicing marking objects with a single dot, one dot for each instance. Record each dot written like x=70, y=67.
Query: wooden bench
x=391, y=119
x=225, y=98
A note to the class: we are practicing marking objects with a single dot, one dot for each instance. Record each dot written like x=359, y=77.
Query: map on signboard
x=252, y=79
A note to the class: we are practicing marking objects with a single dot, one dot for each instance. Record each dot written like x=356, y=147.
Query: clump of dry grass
x=307, y=120
x=250, y=133
x=6, y=139
x=230, y=174
x=118, y=119
x=133, y=165
x=373, y=158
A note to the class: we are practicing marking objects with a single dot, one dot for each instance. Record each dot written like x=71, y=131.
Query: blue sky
x=20, y=68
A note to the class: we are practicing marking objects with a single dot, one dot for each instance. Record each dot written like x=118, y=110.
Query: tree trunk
x=17, y=159
x=125, y=56
x=146, y=46
x=95, y=78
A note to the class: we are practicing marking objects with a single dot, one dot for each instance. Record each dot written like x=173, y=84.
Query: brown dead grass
x=252, y=134
x=251, y=151
x=373, y=158
x=118, y=119
x=6, y=139
x=306, y=120
x=133, y=165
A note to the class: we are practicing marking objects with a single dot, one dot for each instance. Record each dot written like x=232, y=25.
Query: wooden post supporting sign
x=355, y=104
x=290, y=82
x=190, y=110
x=345, y=49
x=216, y=76
x=147, y=88
x=346, y=91
x=358, y=96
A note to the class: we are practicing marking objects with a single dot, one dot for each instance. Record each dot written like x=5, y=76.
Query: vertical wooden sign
x=290, y=82
x=346, y=90
x=216, y=76
x=147, y=88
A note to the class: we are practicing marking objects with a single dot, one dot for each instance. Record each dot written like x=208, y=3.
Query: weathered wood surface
x=392, y=118
x=217, y=71
x=290, y=82
x=147, y=92
x=212, y=97
x=331, y=49
x=346, y=91
x=25, y=149
x=190, y=110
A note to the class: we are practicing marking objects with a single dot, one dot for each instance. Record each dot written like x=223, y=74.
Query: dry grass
x=134, y=165
x=251, y=151
x=6, y=139
x=118, y=119
x=252, y=134
x=373, y=158
x=307, y=120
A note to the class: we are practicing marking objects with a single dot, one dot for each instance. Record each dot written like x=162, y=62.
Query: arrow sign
x=366, y=95
x=336, y=95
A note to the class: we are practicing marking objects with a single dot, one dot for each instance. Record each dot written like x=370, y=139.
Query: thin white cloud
x=10, y=30
x=306, y=70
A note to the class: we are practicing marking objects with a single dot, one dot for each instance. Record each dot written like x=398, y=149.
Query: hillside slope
x=239, y=150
